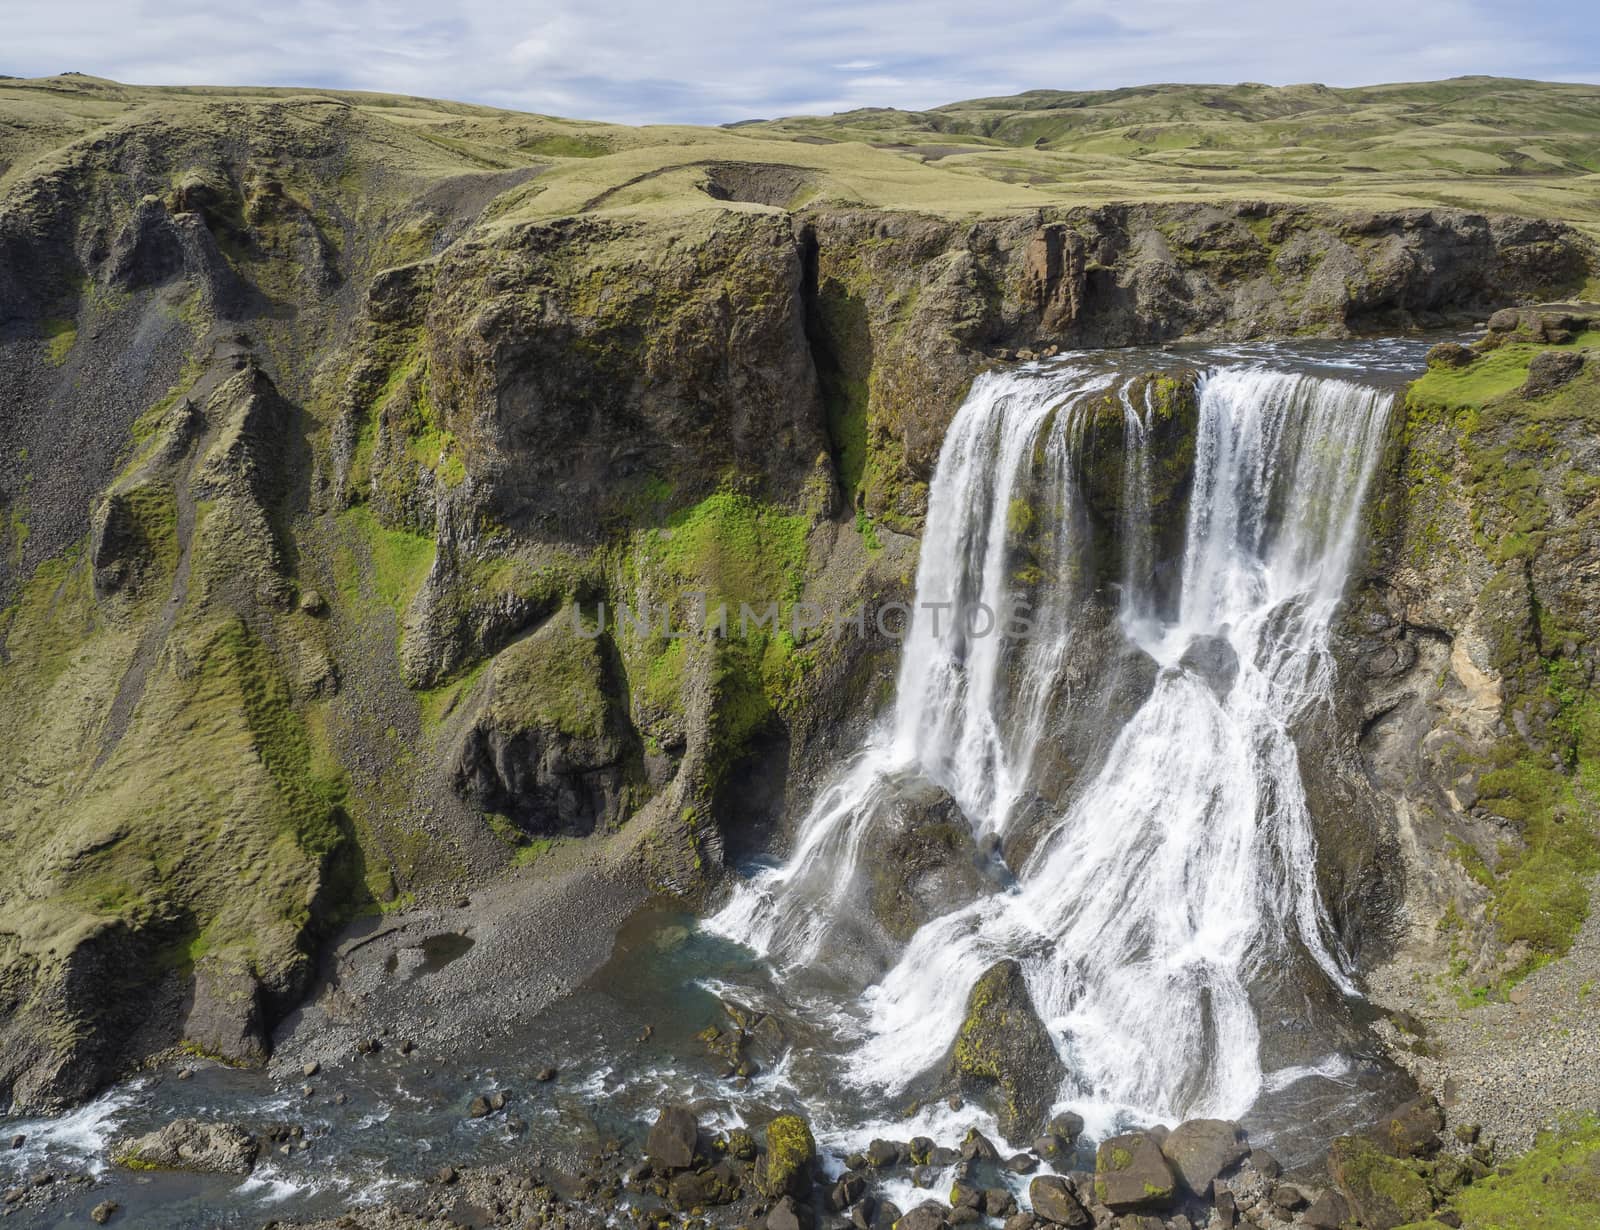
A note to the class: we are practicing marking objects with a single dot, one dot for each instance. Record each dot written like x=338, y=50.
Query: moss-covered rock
x=1132, y=1175
x=791, y=1151
x=1383, y=1191
x=1480, y=655
x=1004, y=1054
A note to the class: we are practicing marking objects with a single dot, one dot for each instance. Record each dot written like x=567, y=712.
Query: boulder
x=1450, y=354
x=1226, y=1215
x=998, y=1202
x=673, y=1139
x=928, y=1216
x=189, y=1144
x=1005, y=1052
x=1549, y=370
x=1329, y=1211
x=1052, y=1147
x=700, y=1189
x=846, y=1192
x=1267, y=1166
x=1412, y=1130
x=976, y=1147
x=1054, y=1201
x=1289, y=1197
x=1383, y=1192
x=790, y=1152
x=1202, y=1151
x=1131, y=1175
x=788, y=1215
x=1506, y=320
x=925, y=863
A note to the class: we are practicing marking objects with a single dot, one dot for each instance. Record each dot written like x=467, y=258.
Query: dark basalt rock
x=1412, y=1130
x=1383, y=1192
x=1132, y=1175
x=674, y=1139
x=925, y=863
x=1450, y=354
x=1004, y=1053
x=1054, y=1200
x=928, y=1216
x=1214, y=660
x=1202, y=1151
x=1549, y=370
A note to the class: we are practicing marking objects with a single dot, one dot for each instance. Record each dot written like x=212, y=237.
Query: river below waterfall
x=1159, y=893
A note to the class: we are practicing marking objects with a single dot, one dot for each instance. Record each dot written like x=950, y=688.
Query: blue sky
x=723, y=60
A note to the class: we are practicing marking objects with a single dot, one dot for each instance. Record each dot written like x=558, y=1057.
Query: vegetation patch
x=1553, y=1186
x=59, y=338
x=399, y=559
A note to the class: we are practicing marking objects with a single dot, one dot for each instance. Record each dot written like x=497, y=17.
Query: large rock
x=1202, y=1151
x=1131, y=1175
x=700, y=1189
x=791, y=1150
x=1004, y=1053
x=673, y=1139
x=1054, y=1200
x=930, y=1215
x=924, y=863
x=549, y=750
x=1383, y=1191
x=1412, y=1130
x=1549, y=370
x=1329, y=1211
x=190, y=1144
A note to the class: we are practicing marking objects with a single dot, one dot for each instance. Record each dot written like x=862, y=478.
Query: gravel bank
x=1514, y=1067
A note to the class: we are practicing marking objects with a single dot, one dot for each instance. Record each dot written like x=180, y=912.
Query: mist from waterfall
x=1180, y=868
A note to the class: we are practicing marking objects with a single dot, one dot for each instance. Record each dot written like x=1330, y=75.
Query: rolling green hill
x=1481, y=143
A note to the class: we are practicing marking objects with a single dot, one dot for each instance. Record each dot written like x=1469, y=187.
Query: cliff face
x=309, y=463
x=1471, y=651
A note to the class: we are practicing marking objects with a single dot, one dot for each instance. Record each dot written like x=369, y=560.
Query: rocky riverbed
x=1199, y=1175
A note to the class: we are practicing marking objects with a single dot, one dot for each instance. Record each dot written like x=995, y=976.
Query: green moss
x=868, y=532
x=1540, y=884
x=554, y=679
x=1382, y=1190
x=399, y=561
x=440, y=702
x=60, y=337
x=311, y=803
x=1554, y=1186
x=738, y=552
x=1470, y=440
x=790, y=1151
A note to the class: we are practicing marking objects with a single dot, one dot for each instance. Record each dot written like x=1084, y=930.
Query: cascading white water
x=1182, y=867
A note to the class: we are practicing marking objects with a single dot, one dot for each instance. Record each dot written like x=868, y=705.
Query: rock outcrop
x=189, y=1144
x=1004, y=1053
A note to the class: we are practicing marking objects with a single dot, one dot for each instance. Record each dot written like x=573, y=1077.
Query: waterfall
x=1179, y=870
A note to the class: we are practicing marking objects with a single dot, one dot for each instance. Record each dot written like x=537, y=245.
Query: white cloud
x=719, y=60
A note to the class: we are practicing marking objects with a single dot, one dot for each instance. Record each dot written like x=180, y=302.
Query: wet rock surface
x=1004, y=1054
x=189, y=1144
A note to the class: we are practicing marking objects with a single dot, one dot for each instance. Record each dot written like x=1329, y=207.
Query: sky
x=717, y=61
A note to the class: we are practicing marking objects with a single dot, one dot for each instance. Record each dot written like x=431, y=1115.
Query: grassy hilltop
x=1481, y=143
